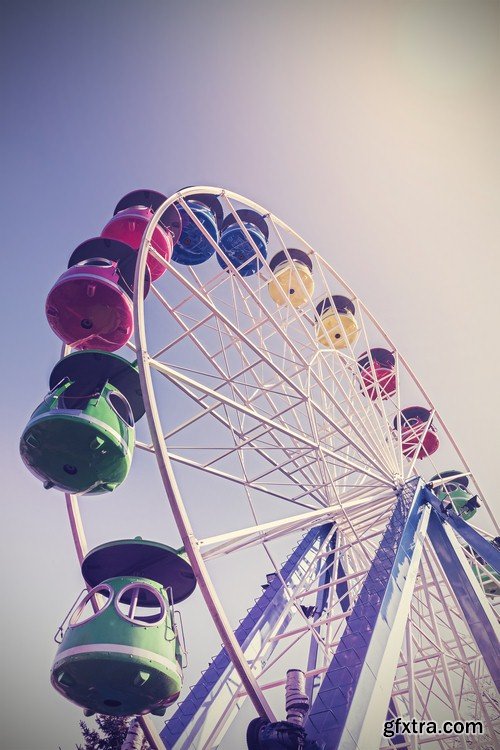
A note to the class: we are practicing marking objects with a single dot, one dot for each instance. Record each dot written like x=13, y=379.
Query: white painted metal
x=274, y=416
x=133, y=740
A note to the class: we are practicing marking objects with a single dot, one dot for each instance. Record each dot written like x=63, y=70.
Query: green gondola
x=486, y=574
x=80, y=439
x=126, y=658
x=489, y=578
x=455, y=490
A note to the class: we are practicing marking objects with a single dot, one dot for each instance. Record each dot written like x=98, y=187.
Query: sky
x=370, y=127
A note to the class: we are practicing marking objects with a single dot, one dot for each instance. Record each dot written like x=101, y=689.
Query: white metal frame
x=304, y=413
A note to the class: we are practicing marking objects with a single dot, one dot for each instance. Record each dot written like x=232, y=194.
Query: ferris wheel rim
x=141, y=349
x=401, y=361
x=180, y=513
x=72, y=501
x=175, y=499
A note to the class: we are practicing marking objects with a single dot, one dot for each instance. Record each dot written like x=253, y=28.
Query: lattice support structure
x=202, y=717
x=356, y=692
x=476, y=610
x=324, y=578
x=351, y=705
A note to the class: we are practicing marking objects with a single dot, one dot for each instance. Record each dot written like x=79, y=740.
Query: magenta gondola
x=91, y=305
x=378, y=375
x=416, y=431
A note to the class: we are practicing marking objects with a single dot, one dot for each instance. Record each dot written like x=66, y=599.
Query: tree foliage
x=109, y=735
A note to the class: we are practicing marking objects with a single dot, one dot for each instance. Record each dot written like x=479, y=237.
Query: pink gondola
x=129, y=222
x=91, y=305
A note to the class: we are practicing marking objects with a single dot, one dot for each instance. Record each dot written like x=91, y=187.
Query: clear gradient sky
x=372, y=128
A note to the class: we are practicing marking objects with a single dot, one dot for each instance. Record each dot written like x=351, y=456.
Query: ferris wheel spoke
x=352, y=408
x=267, y=489
x=241, y=455
x=259, y=532
x=177, y=377
x=226, y=380
x=285, y=428
x=365, y=406
x=347, y=415
x=276, y=415
x=205, y=410
x=269, y=531
x=420, y=441
x=399, y=409
x=309, y=487
x=380, y=409
x=232, y=327
x=240, y=336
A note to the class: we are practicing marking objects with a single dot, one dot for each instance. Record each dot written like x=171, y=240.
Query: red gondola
x=379, y=375
x=414, y=423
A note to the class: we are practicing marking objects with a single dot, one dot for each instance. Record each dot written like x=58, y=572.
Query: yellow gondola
x=336, y=326
x=292, y=277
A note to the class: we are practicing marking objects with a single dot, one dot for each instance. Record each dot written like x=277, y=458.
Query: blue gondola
x=236, y=246
x=193, y=247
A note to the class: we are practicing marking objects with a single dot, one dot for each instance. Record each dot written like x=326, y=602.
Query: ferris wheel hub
x=399, y=482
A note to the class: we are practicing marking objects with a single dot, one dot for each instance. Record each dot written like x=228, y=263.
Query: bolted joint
x=282, y=735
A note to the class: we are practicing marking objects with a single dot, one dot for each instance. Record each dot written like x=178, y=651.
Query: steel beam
x=475, y=607
x=203, y=715
x=352, y=702
x=325, y=569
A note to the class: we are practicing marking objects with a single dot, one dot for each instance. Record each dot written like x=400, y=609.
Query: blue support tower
x=352, y=702
x=354, y=698
x=198, y=714
x=477, y=613
x=488, y=551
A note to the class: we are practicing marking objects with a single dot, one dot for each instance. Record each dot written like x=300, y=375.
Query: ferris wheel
x=264, y=376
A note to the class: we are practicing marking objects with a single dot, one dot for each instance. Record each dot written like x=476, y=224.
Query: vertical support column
x=322, y=597
x=203, y=714
x=352, y=703
x=475, y=607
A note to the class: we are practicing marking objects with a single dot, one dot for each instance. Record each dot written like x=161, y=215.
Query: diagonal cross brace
x=321, y=603
x=489, y=552
x=322, y=596
x=198, y=715
x=351, y=705
x=475, y=607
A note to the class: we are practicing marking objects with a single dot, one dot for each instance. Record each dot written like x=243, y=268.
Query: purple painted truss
x=477, y=613
x=353, y=673
x=261, y=618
